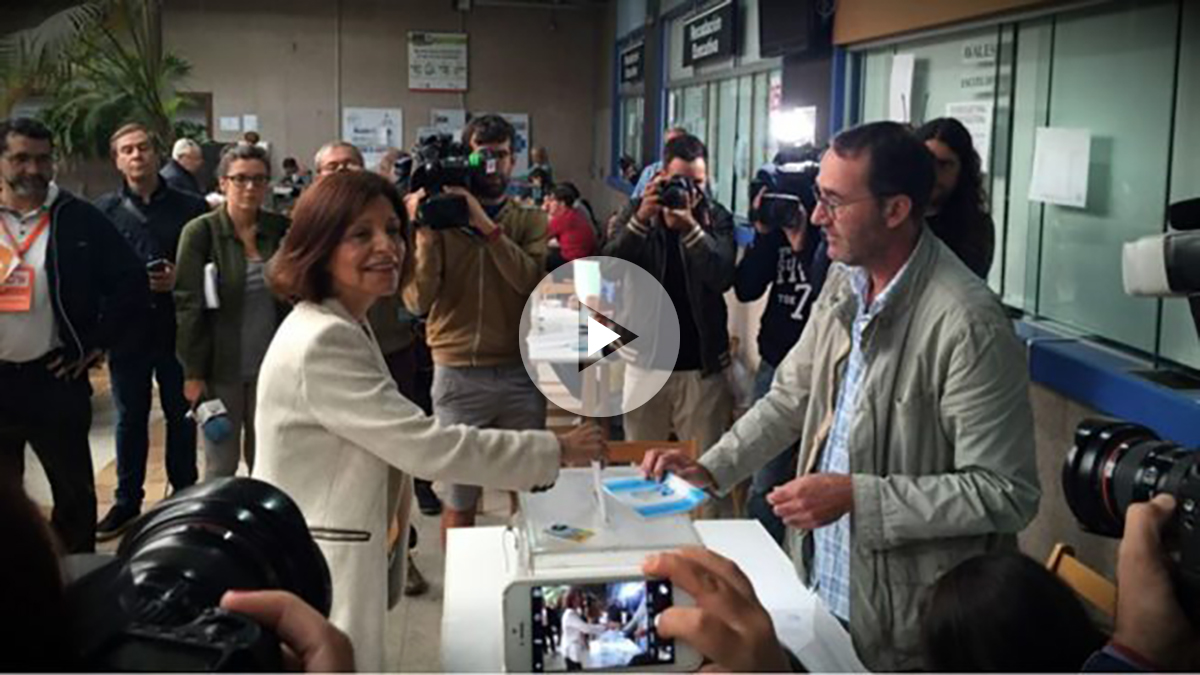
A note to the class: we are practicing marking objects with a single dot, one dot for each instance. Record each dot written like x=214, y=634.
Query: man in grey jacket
x=908, y=393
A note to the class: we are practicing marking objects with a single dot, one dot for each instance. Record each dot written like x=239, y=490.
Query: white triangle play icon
x=599, y=336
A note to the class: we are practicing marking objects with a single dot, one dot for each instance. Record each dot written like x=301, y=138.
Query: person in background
x=791, y=261
x=402, y=347
x=182, y=172
x=958, y=212
x=225, y=313
x=70, y=288
x=909, y=394
x=539, y=157
x=471, y=283
x=654, y=168
x=691, y=252
x=331, y=419
x=1005, y=612
x=150, y=214
x=294, y=176
x=577, y=630
x=628, y=169
x=571, y=235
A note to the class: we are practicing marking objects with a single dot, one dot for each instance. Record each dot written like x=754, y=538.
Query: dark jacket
x=795, y=280
x=97, y=284
x=209, y=341
x=180, y=178
x=973, y=238
x=708, y=265
x=153, y=230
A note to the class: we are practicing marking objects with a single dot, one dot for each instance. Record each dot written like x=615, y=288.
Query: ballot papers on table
x=650, y=498
x=566, y=527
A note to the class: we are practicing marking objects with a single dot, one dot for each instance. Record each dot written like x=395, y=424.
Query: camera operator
x=789, y=257
x=472, y=282
x=688, y=247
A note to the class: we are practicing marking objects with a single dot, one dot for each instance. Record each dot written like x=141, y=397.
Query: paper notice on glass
x=976, y=116
x=1060, y=166
x=249, y=122
x=231, y=123
x=900, y=91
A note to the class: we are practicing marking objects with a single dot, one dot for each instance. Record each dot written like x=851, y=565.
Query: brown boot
x=454, y=518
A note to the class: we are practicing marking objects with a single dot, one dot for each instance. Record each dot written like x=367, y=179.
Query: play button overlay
x=599, y=336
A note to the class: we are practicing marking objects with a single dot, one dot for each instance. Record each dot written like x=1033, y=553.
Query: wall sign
x=710, y=35
x=633, y=63
x=437, y=61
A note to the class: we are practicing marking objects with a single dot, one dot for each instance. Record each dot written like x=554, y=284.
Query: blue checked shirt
x=831, y=556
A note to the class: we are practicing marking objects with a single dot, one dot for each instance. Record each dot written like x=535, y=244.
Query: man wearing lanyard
x=150, y=215
x=69, y=285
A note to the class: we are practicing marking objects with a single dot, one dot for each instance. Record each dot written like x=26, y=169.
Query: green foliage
x=101, y=65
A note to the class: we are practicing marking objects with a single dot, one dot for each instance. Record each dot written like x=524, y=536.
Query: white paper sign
x=900, y=91
x=231, y=123
x=249, y=122
x=1060, y=166
x=448, y=118
x=437, y=61
x=976, y=116
x=373, y=131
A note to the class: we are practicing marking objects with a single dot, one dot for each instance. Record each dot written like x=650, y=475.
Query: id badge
x=9, y=261
x=16, y=291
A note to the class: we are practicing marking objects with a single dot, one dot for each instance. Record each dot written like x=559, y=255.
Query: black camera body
x=676, y=191
x=440, y=162
x=787, y=193
x=1115, y=464
x=154, y=607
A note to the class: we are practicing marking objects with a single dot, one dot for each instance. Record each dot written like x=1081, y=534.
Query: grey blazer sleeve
x=351, y=396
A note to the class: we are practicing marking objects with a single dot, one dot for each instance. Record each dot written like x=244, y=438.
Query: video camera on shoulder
x=440, y=162
x=155, y=607
x=788, y=182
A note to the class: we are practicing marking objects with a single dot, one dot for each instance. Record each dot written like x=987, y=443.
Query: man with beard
x=69, y=286
x=150, y=214
x=472, y=281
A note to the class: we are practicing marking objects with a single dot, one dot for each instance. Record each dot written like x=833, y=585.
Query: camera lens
x=231, y=533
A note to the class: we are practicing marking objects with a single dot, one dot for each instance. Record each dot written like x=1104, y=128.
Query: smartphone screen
x=601, y=625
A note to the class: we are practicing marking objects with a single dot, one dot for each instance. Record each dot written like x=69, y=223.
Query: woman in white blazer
x=331, y=421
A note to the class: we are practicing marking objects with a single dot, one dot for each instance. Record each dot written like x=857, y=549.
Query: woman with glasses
x=225, y=313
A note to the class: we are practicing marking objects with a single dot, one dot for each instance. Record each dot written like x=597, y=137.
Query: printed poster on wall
x=976, y=116
x=373, y=131
x=900, y=89
x=1061, y=160
x=520, y=122
x=437, y=61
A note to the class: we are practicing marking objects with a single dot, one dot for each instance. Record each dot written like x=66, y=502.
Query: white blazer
x=331, y=422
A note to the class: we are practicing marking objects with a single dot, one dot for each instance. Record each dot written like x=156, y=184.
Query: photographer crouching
x=478, y=255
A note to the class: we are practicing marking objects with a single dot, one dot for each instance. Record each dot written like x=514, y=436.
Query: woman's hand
x=582, y=445
x=193, y=390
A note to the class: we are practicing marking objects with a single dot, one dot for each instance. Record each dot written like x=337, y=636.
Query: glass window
x=633, y=110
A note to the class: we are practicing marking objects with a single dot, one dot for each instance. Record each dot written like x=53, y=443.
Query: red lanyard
x=26, y=244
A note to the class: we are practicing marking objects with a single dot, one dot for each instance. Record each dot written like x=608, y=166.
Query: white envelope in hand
x=212, y=299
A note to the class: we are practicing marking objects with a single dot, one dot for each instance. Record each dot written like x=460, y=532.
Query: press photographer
x=478, y=255
x=788, y=256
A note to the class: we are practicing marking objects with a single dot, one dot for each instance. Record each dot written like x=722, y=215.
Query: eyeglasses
x=338, y=167
x=242, y=180
x=834, y=206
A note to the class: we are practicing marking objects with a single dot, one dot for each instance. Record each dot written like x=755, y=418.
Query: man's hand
x=683, y=220
x=1150, y=620
x=650, y=206
x=162, y=281
x=813, y=501
x=728, y=625
x=61, y=369
x=582, y=445
x=193, y=390
x=478, y=217
x=759, y=226
x=311, y=644
x=411, y=201
x=657, y=463
x=795, y=237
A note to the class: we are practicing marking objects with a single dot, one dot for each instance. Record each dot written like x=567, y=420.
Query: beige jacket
x=474, y=291
x=941, y=450
x=331, y=423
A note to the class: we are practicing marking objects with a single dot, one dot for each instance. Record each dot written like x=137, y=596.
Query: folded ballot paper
x=651, y=499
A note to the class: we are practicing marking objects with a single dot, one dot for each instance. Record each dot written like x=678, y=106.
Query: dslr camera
x=440, y=162
x=155, y=606
x=787, y=185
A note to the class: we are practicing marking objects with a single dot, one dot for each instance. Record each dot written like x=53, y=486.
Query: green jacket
x=941, y=449
x=208, y=341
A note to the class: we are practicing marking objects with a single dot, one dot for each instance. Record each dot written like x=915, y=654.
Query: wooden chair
x=1085, y=581
x=631, y=452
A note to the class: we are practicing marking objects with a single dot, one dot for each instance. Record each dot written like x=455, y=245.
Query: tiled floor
x=414, y=627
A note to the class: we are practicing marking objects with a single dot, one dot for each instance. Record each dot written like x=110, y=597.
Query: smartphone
x=157, y=266
x=596, y=624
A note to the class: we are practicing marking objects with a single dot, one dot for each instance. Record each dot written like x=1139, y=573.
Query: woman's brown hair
x=300, y=270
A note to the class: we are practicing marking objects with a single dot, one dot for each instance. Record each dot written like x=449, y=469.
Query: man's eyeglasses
x=242, y=180
x=338, y=167
x=833, y=205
